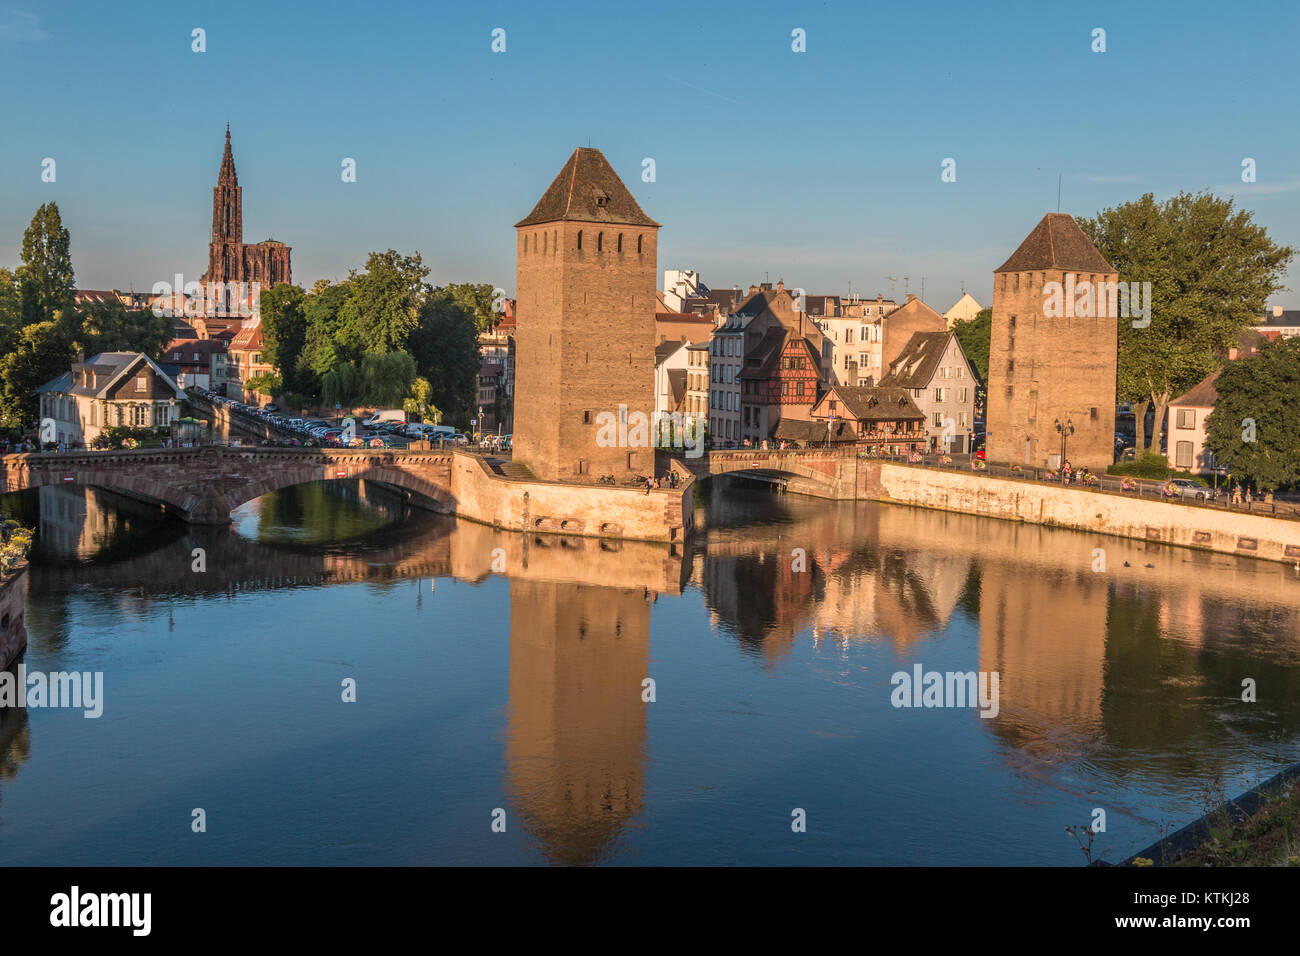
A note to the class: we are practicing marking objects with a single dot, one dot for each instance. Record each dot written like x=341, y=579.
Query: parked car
x=1186, y=488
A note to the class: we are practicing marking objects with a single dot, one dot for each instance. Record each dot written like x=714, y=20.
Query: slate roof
x=665, y=350
x=875, y=403
x=790, y=429
x=109, y=367
x=1288, y=319
x=1201, y=395
x=919, y=360
x=576, y=195
x=1056, y=242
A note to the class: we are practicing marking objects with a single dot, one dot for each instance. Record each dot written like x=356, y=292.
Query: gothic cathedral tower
x=1049, y=364
x=585, y=286
x=230, y=261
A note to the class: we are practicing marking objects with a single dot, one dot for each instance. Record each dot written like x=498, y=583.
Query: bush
x=1149, y=464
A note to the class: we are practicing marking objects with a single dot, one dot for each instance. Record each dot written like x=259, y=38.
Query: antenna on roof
x=892, y=280
x=1058, y=192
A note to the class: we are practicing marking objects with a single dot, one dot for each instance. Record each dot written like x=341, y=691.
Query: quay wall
x=553, y=507
x=1176, y=523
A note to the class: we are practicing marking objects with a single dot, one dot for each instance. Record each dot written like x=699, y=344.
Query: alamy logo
x=55, y=689
x=72, y=909
x=951, y=689
x=660, y=430
x=1100, y=300
x=197, y=299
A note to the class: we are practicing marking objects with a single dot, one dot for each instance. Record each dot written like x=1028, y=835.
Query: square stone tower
x=1053, y=350
x=585, y=286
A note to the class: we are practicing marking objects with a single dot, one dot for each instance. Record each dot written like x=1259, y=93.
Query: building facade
x=111, y=389
x=199, y=362
x=586, y=267
x=1047, y=369
x=726, y=360
x=934, y=370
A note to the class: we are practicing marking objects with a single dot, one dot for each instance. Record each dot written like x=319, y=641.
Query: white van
x=385, y=415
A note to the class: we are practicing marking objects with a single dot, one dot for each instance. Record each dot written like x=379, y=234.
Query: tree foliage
x=446, y=350
x=43, y=351
x=111, y=327
x=388, y=378
x=46, y=281
x=1254, y=428
x=284, y=330
x=1211, y=271
x=973, y=334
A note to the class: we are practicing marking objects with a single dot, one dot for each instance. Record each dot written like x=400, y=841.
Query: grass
x=1268, y=837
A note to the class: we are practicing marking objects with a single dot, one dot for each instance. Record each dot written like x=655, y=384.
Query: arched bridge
x=203, y=485
x=820, y=472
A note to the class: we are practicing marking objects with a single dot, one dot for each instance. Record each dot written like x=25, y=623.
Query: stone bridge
x=819, y=472
x=203, y=485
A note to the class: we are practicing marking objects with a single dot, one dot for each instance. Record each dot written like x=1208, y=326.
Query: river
x=502, y=713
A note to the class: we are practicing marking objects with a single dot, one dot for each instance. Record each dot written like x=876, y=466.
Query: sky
x=821, y=168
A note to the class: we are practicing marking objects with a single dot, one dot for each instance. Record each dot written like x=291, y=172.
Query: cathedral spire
x=227, y=173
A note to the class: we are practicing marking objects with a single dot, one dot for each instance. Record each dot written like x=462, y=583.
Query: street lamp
x=1065, y=431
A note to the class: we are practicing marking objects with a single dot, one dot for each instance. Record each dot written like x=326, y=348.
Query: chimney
x=910, y=297
x=1277, y=312
x=780, y=285
x=752, y=289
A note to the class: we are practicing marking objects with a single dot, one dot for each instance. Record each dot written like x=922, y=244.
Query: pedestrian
x=1236, y=494
x=648, y=486
x=1249, y=497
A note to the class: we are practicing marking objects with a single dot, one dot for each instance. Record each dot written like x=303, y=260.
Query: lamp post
x=1065, y=431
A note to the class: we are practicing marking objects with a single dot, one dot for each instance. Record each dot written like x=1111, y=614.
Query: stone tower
x=1052, y=356
x=230, y=261
x=585, y=284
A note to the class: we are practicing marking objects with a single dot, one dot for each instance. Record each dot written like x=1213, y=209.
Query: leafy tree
x=1211, y=272
x=263, y=383
x=418, y=402
x=284, y=329
x=973, y=334
x=43, y=351
x=1253, y=427
x=111, y=327
x=382, y=307
x=446, y=350
x=11, y=311
x=319, y=356
x=476, y=298
x=343, y=385
x=388, y=378
x=45, y=278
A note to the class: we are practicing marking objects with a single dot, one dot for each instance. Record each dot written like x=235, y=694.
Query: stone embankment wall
x=560, y=508
x=1169, y=522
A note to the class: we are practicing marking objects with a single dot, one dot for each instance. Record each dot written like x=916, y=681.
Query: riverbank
x=1082, y=509
x=1258, y=828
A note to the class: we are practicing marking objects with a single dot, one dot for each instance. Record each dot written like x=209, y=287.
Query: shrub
x=1149, y=464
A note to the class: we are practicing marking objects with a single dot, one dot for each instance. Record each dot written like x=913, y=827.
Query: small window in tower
x=544, y=238
x=582, y=466
x=579, y=240
x=1093, y=413
x=1011, y=365
x=620, y=242
x=600, y=242
x=638, y=244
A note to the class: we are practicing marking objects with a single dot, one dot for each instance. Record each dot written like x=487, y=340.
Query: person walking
x=1236, y=494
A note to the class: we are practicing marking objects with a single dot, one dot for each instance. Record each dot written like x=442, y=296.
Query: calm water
x=521, y=689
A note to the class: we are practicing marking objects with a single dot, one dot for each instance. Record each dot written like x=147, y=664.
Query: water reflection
x=1124, y=682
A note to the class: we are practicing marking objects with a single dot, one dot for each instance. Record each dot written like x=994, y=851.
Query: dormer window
x=602, y=200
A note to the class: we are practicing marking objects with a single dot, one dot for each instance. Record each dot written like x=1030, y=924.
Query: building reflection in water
x=1132, y=669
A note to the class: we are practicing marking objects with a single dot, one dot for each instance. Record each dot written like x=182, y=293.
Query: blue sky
x=821, y=168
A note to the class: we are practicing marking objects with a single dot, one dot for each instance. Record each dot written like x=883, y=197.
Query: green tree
x=11, y=311
x=319, y=356
x=1253, y=427
x=478, y=299
x=111, y=327
x=1211, y=272
x=43, y=351
x=284, y=330
x=973, y=334
x=45, y=278
x=382, y=307
x=446, y=350
x=343, y=385
x=388, y=378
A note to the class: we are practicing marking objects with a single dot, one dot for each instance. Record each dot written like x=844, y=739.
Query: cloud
x=20, y=27
x=1259, y=189
x=1111, y=179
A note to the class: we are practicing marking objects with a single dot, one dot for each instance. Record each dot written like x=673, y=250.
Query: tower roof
x=1056, y=242
x=587, y=190
x=227, y=162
